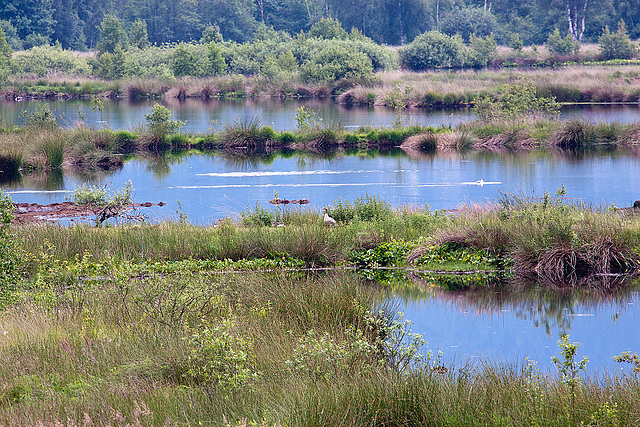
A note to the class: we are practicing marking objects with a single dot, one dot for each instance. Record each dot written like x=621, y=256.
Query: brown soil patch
x=27, y=213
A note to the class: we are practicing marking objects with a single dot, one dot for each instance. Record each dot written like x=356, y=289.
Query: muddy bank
x=28, y=213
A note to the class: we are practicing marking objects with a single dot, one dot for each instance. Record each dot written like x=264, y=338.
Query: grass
x=176, y=324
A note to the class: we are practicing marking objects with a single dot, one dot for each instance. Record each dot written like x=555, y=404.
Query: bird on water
x=328, y=221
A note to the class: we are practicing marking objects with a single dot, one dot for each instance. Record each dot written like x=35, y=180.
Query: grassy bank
x=593, y=82
x=43, y=146
x=175, y=324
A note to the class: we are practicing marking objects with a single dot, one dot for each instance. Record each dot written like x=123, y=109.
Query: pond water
x=201, y=116
x=471, y=326
x=503, y=327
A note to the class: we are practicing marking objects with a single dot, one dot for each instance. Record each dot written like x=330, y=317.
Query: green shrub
x=9, y=252
x=187, y=61
x=616, y=45
x=328, y=28
x=515, y=43
x=220, y=360
x=562, y=46
x=337, y=62
x=44, y=60
x=433, y=50
x=515, y=101
x=159, y=124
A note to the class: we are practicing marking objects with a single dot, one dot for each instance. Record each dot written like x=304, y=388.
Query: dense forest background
x=76, y=23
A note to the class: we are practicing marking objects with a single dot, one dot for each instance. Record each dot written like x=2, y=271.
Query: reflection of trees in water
x=551, y=309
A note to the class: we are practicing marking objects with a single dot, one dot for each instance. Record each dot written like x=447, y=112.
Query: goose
x=328, y=221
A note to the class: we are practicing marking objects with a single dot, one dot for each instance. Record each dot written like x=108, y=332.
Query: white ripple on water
x=283, y=173
x=340, y=184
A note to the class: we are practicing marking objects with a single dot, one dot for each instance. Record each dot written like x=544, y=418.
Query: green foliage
x=482, y=50
x=468, y=21
x=103, y=201
x=336, y=62
x=44, y=60
x=434, y=50
x=306, y=119
x=9, y=253
x=215, y=61
x=36, y=40
x=515, y=43
x=187, y=61
x=11, y=34
x=112, y=35
x=138, y=35
x=385, y=254
x=260, y=217
x=112, y=65
x=41, y=117
x=211, y=34
x=323, y=358
x=569, y=369
x=159, y=123
x=366, y=208
x=616, y=45
x=515, y=101
x=220, y=360
x=6, y=54
x=562, y=46
x=328, y=29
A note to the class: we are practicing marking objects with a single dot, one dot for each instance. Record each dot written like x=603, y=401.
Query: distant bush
x=45, y=60
x=328, y=28
x=482, y=50
x=616, y=45
x=187, y=60
x=335, y=63
x=562, y=46
x=434, y=50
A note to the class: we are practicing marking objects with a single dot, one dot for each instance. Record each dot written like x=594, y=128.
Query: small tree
x=215, y=61
x=112, y=35
x=105, y=202
x=185, y=61
x=211, y=33
x=138, y=36
x=336, y=62
x=483, y=50
x=159, y=125
x=516, y=43
x=112, y=65
x=616, y=45
x=562, y=46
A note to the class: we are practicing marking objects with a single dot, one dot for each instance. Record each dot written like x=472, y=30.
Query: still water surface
x=472, y=326
x=203, y=116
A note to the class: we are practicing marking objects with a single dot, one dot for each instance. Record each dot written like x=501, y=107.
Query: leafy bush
x=562, y=46
x=187, y=60
x=337, y=62
x=515, y=101
x=328, y=28
x=482, y=50
x=44, y=60
x=616, y=45
x=9, y=253
x=367, y=208
x=469, y=21
x=104, y=202
x=433, y=50
x=220, y=360
x=159, y=124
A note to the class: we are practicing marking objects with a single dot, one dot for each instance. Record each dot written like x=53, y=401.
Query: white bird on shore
x=328, y=221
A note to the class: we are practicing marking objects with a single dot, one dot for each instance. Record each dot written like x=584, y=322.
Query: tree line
x=76, y=24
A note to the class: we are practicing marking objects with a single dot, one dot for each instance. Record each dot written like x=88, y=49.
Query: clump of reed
x=561, y=245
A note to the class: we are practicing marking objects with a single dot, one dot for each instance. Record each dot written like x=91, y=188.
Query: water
x=203, y=116
x=472, y=326
x=502, y=327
